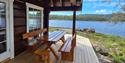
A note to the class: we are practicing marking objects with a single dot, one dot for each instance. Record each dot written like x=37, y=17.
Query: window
x=2, y=27
x=34, y=17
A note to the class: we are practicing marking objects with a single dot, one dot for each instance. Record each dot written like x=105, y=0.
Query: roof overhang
x=57, y=5
x=65, y=5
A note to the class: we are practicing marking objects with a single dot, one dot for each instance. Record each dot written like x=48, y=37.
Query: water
x=117, y=29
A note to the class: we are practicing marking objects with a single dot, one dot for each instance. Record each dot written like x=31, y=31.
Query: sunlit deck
x=84, y=53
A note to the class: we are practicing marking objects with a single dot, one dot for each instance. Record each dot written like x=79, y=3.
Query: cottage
x=22, y=20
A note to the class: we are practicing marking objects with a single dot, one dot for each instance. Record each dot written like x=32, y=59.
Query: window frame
x=28, y=5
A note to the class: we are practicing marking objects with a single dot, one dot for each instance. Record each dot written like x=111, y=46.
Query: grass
x=114, y=44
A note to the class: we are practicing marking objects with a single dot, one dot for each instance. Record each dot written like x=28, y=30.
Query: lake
x=117, y=29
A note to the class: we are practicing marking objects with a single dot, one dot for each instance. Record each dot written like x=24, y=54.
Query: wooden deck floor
x=84, y=53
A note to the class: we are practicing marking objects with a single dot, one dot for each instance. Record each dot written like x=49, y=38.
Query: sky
x=96, y=7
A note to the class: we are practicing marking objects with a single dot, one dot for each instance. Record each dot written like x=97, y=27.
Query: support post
x=46, y=23
x=74, y=28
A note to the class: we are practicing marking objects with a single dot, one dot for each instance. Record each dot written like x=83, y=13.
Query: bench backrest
x=68, y=44
x=33, y=33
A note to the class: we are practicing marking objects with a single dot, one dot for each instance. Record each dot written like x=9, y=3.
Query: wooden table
x=54, y=37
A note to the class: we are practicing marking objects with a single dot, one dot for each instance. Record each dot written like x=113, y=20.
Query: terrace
x=84, y=53
x=71, y=49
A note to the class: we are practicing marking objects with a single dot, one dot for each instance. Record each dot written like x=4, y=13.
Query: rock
x=88, y=30
x=104, y=59
x=104, y=52
x=100, y=49
x=96, y=47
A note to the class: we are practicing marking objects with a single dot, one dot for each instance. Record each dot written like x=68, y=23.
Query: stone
x=104, y=51
x=104, y=59
x=89, y=30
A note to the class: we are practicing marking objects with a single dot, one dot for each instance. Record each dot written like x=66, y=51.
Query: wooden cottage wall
x=19, y=26
x=20, y=23
x=20, y=20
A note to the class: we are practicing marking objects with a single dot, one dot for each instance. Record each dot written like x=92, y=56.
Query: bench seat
x=67, y=51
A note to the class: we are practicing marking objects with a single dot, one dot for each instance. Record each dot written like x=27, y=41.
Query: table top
x=56, y=35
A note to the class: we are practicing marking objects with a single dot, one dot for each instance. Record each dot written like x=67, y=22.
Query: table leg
x=63, y=39
x=53, y=51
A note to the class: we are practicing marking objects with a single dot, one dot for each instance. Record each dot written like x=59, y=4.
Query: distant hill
x=90, y=17
x=87, y=17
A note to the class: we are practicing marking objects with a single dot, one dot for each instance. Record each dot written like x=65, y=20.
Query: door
x=4, y=29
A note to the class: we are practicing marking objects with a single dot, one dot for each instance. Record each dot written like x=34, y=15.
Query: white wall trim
x=11, y=29
x=34, y=7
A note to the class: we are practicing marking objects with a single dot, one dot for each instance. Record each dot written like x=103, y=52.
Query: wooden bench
x=33, y=36
x=42, y=56
x=67, y=50
x=38, y=48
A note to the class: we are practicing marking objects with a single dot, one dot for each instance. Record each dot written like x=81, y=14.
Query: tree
x=123, y=7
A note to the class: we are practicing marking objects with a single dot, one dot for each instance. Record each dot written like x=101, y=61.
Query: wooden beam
x=62, y=3
x=74, y=22
x=46, y=23
x=19, y=1
x=66, y=8
x=73, y=2
x=74, y=27
x=51, y=3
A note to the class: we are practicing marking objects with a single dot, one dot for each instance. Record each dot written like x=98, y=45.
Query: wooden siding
x=19, y=26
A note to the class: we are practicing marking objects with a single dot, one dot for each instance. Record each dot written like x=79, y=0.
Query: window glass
x=2, y=27
x=34, y=19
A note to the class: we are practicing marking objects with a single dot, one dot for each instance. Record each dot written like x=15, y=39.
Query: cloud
x=107, y=5
x=97, y=0
x=103, y=11
x=100, y=11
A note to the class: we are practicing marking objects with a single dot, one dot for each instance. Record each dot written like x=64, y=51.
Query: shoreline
x=87, y=20
x=64, y=28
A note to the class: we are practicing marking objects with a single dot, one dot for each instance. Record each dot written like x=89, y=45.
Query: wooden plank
x=55, y=36
x=34, y=33
x=18, y=30
x=59, y=36
x=19, y=26
x=19, y=22
x=65, y=8
x=69, y=46
x=66, y=43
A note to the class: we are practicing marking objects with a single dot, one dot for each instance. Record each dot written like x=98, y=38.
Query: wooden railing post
x=46, y=23
x=74, y=27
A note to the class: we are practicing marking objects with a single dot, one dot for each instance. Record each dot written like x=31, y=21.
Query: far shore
x=69, y=30
x=88, y=20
